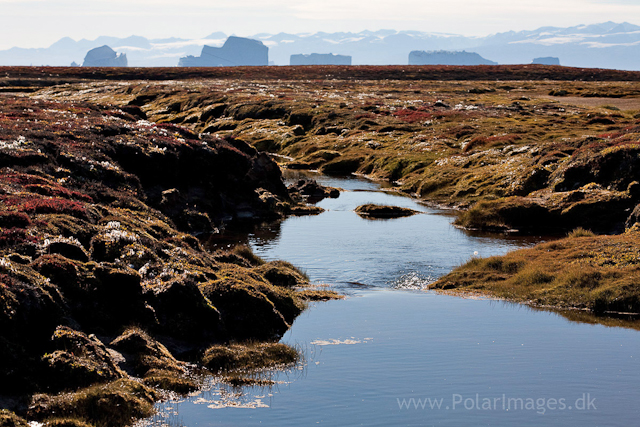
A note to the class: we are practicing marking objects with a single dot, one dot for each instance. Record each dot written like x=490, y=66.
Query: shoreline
x=107, y=295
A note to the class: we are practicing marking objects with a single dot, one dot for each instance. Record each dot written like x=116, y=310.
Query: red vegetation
x=46, y=76
x=412, y=116
x=31, y=204
x=611, y=135
x=6, y=281
x=364, y=116
x=22, y=178
x=183, y=132
x=57, y=191
x=55, y=206
x=15, y=236
x=224, y=145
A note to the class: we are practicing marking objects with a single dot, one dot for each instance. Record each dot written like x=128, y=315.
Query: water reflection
x=239, y=235
x=390, y=340
x=381, y=346
x=339, y=247
x=611, y=320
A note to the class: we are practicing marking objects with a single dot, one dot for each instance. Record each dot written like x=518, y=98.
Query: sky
x=39, y=23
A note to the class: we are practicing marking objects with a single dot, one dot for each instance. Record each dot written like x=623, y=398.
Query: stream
x=393, y=353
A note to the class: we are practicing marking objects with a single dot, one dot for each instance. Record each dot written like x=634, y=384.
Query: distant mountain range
x=605, y=45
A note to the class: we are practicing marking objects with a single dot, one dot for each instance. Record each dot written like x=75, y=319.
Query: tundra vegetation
x=107, y=176
x=108, y=297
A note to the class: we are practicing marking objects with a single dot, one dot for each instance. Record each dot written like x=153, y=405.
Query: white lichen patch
x=17, y=144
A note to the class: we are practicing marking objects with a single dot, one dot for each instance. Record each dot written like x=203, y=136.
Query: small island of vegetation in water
x=378, y=211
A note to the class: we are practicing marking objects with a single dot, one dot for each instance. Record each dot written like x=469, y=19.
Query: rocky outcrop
x=445, y=57
x=546, y=60
x=104, y=56
x=236, y=51
x=320, y=59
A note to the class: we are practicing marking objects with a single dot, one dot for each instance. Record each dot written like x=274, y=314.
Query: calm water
x=390, y=355
x=338, y=246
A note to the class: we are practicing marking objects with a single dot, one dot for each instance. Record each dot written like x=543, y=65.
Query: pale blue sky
x=33, y=23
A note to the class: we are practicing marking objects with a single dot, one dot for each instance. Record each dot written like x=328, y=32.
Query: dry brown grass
x=597, y=273
x=249, y=356
x=118, y=403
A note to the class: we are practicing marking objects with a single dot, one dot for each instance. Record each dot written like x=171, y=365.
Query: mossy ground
x=99, y=178
x=455, y=143
x=541, y=157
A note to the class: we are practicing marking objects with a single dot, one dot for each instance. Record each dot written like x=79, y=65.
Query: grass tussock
x=504, y=214
x=318, y=295
x=169, y=380
x=249, y=357
x=581, y=232
x=246, y=252
x=66, y=422
x=118, y=403
x=383, y=211
x=283, y=274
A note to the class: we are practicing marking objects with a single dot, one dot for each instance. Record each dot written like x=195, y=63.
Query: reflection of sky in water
x=365, y=354
x=338, y=246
